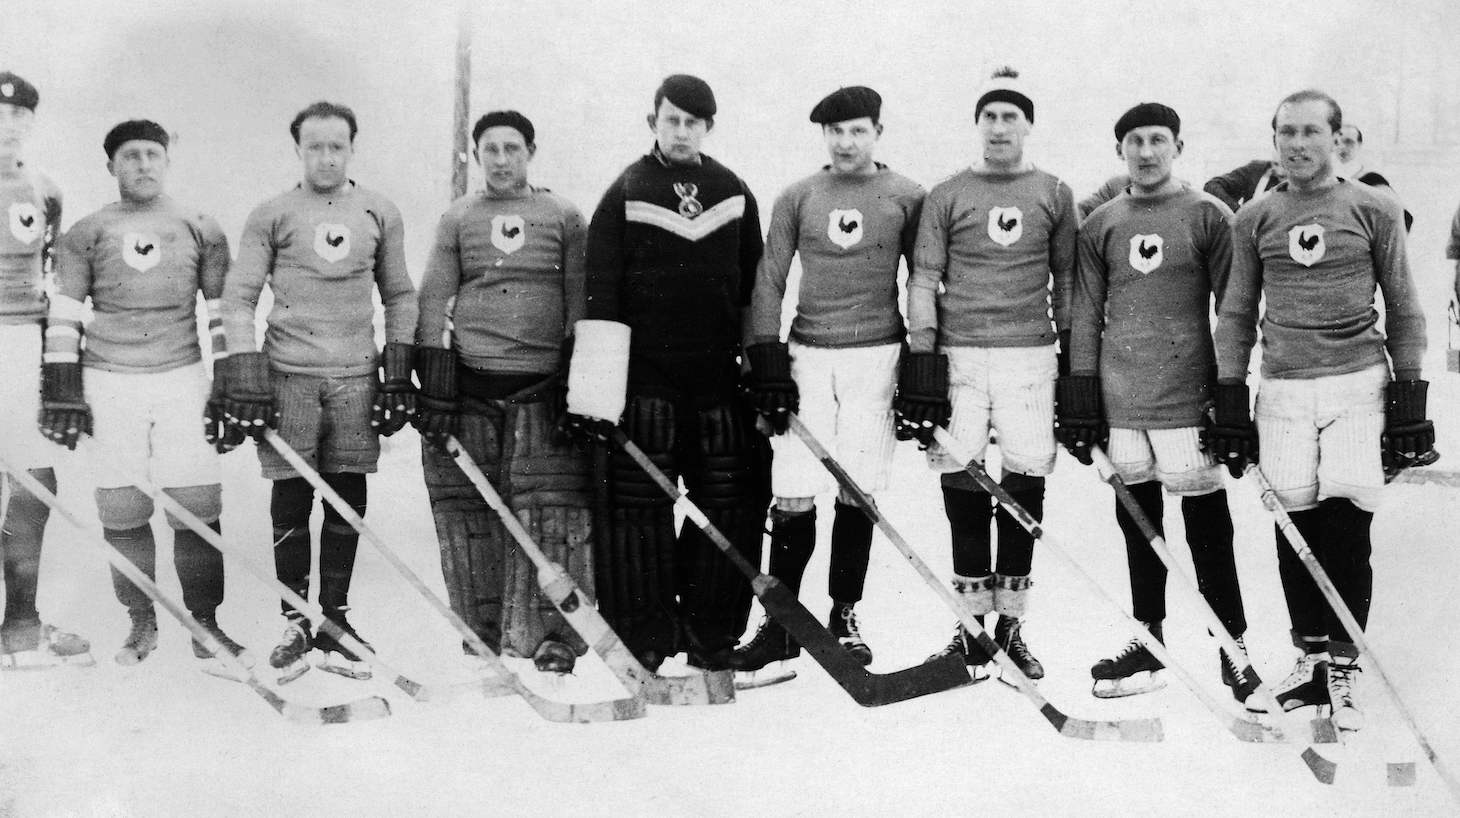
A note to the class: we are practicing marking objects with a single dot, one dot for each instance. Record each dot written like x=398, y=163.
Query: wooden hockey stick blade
x=549, y=709
x=1127, y=730
x=866, y=688
x=372, y=707
x=715, y=687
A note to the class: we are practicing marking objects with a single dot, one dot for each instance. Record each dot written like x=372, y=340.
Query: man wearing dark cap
x=325, y=248
x=992, y=239
x=138, y=384
x=502, y=289
x=32, y=212
x=672, y=251
x=1150, y=263
x=851, y=222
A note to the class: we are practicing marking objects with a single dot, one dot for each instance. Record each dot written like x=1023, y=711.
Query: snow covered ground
x=162, y=739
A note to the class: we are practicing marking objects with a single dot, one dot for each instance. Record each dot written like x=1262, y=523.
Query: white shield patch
x=141, y=251
x=25, y=222
x=844, y=227
x=1306, y=245
x=1146, y=253
x=508, y=233
x=1006, y=225
x=331, y=241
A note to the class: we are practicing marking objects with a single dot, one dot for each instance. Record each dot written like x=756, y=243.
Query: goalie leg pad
x=1209, y=533
x=21, y=536
x=1147, y=572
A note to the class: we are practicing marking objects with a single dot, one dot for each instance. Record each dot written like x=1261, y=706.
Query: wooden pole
x=460, y=150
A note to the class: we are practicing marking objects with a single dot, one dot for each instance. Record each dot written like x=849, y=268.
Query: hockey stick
x=550, y=709
x=1242, y=728
x=713, y=687
x=370, y=707
x=316, y=614
x=866, y=688
x=1068, y=726
x=1399, y=772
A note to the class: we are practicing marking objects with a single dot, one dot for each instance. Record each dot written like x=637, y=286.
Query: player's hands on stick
x=922, y=403
x=772, y=391
x=395, y=397
x=1080, y=415
x=437, y=404
x=64, y=415
x=1231, y=436
x=223, y=436
x=248, y=397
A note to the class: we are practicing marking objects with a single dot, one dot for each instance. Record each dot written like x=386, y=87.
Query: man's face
x=325, y=149
x=678, y=132
x=1348, y=143
x=15, y=126
x=1003, y=129
x=1304, y=140
x=504, y=153
x=851, y=143
x=1150, y=153
x=140, y=167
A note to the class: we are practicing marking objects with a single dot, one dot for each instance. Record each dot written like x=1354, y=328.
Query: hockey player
x=1149, y=264
x=32, y=206
x=672, y=251
x=850, y=222
x=322, y=247
x=503, y=287
x=138, y=382
x=1328, y=416
x=995, y=245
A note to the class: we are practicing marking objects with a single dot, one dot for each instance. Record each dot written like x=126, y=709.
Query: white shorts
x=846, y=402
x=150, y=424
x=20, y=388
x=1319, y=437
x=1173, y=456
x=1009, y=390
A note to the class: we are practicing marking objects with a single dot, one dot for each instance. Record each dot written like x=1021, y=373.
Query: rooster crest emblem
x=844, y=227
x=1146, y=252
x=331, y=241
x=141, y=251
x=1006, y=225
x=508, y=233
x=25, y=222
x=1306, y=244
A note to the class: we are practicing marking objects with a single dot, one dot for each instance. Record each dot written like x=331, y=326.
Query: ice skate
x=289, y=658
x=1008, y=635
x=963, y=644
x=141, y=640
x=1239, y=683
x=336, y=658
x=1131, y=672
x=843, y=625
x=553, y=656
x=1305, y=686
x=215, y=665
x=1343, y=678
x=763, y=661
x=34, y=645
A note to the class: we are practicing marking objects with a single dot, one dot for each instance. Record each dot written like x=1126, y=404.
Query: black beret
x=852, y=102
x=133, y=129
x=1147, y=113
x=16, y=91
x=506, y=119
x=689, y=93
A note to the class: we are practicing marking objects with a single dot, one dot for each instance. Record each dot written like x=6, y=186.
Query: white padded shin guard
x=598, y=376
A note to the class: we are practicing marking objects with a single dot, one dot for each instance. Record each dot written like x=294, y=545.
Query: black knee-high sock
x=138, y=546
x=851, y=547
x=1147, y=572
x=969, y=513
x=793, y=538
x=1305, y=603
x=1016, y=544
x=20, y=544
x=339, y=541
x=289, y=507
x=1346, y=559
x=1209, y=534
x=199, y=570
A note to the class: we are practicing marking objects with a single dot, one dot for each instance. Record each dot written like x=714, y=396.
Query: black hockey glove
x=436, y=402
x=1231, y=436
x=65, y=415
x=1080, y=415
x=772, y=391
x=248, y=398
x=223, y=436
x=1409, y=436
x=395, y=396
x=922, y=403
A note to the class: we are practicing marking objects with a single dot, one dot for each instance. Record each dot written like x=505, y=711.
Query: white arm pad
x=598, y=376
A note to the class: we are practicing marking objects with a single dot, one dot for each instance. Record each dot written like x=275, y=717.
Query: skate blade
x=772, y=674
x=288, y=673
x=1136, y=685
x=340, y=666
x=23, y=660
